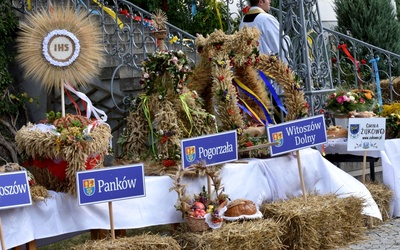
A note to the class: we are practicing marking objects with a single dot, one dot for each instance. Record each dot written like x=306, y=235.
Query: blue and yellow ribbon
x=255, y=98
x=111, y=13
x=246, y=108
x=272, y=91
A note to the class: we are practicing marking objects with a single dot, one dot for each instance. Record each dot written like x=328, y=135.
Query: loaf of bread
x=336, y=132
x=240, y=207
x=363, y=114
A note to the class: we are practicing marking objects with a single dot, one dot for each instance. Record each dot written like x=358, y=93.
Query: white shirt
x=269, y=38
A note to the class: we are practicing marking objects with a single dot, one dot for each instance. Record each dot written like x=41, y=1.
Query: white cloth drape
x=258, y=180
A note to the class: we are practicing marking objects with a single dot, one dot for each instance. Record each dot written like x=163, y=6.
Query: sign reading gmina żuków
x=366, y=134
x=110, y=184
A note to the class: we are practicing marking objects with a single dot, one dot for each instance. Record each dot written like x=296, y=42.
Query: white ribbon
x=102, y=118
x=99, y=114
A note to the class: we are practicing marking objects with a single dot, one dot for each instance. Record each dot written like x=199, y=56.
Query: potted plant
x=344, y=102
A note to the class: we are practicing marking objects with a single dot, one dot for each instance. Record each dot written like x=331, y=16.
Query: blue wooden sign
x=14, y=190
x=297, y=134
x=110, y=184
x=212, y=149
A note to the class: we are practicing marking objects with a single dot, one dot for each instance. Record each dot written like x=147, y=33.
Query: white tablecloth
x=257, y=180
x=390, y=158
x=391, y=171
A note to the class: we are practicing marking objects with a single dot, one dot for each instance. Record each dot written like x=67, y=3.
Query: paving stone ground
x=385, y=236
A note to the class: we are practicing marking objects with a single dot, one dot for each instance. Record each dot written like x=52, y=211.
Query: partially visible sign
x=212, y=149
x=110, y=184
x=14, y=190
x=297, y=134
x=366, y=134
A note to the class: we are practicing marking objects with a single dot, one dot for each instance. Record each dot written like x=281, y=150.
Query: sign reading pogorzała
x=110, y=184
x=297, y=134
x=14, y=190
x=366, y=134
x=212, y=149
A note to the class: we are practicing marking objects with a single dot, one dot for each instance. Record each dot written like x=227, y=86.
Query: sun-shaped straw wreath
x=60, y=45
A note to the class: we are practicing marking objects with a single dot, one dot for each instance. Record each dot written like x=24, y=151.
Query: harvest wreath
x=61, y=50
x=237, y=92
x=60, y=146
x=164, y=114
x=180, y=103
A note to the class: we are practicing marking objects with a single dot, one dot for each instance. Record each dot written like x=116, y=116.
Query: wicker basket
x=197, y=224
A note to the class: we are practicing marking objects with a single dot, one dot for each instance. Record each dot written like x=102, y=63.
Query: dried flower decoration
x=159, y=18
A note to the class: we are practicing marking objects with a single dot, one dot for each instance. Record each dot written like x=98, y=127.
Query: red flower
x=168, y=163
x=221, y=78
x=230, y=112
x=248, y=42
x=164, y=139
x=362, y=61
x=245, y=9
x=249, y=144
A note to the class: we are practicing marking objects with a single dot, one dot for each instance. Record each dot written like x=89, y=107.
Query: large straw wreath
x=60, y=44
x=235, y=58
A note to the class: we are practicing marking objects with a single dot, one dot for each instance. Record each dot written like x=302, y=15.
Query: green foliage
x=371, y=21
x=10, y=100
x=210, y=14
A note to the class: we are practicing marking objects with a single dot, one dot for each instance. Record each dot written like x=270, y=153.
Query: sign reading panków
x=14, y=190
x=110, y=184
x=212, y=149
x=297, y=134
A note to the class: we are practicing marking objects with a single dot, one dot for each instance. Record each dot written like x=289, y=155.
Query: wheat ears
x=46, y=33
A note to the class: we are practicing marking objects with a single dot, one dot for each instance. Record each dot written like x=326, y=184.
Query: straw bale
x=256, y=234
x=382, y=195
x=385, y=86
x=321, y=222
x=139, y=242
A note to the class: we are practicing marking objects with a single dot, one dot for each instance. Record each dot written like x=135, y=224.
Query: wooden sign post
x=295, y=135
x=366, y=134
x=110, y=184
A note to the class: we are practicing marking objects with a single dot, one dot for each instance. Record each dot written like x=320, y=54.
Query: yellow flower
x=173, y=40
